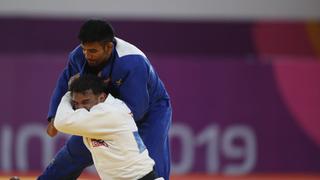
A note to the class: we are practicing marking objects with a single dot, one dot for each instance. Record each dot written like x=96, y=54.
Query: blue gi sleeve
x=61, y=86
x=134, y=88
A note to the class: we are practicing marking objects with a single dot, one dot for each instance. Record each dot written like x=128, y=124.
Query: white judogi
x=110, y=133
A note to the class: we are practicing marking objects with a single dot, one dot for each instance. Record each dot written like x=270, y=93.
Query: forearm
x=58, y=92
x=95, y=123
x=62, y=86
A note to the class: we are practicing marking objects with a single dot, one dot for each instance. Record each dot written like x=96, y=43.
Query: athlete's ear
x=108, y=46
x=102, y=97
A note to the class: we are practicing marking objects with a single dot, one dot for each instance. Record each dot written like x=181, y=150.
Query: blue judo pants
x=74, y=156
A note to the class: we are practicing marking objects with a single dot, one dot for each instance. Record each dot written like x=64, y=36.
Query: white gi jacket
x=110, y=133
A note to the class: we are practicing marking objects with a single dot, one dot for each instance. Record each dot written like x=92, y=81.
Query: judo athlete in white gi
x=108, y=130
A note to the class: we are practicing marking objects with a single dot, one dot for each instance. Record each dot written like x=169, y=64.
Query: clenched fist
x=51, y=130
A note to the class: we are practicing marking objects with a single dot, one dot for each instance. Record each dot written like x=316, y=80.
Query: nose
x=87, y=55
x=79, y=106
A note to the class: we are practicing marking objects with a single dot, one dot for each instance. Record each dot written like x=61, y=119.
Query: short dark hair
x=87, y=82
x=96, y=31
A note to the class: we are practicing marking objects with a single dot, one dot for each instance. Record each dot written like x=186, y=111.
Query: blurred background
x=243, y=76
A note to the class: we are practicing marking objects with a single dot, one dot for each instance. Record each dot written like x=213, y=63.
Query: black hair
x=96, y=31
x=87, y=82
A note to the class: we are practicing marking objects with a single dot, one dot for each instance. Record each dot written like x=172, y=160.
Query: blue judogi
x=134, y=81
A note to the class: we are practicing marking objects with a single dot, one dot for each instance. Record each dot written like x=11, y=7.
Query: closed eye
x=74, y=104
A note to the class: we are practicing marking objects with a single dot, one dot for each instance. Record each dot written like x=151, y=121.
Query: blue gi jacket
x=132, y=76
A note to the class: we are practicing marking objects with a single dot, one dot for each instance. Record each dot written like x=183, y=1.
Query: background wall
x=166, y=9
x=243, y=77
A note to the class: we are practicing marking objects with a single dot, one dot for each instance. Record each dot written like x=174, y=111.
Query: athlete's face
x=86, y=99
x=96, y=52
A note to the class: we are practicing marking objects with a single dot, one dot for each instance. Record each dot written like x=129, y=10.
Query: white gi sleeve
x=99, y=122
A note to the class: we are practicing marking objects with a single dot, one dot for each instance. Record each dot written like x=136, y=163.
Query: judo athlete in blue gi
x=131, y=78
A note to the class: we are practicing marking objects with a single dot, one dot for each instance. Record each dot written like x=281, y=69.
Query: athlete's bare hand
x=51, y=130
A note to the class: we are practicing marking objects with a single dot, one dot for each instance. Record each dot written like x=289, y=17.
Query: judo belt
x=150, y=176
